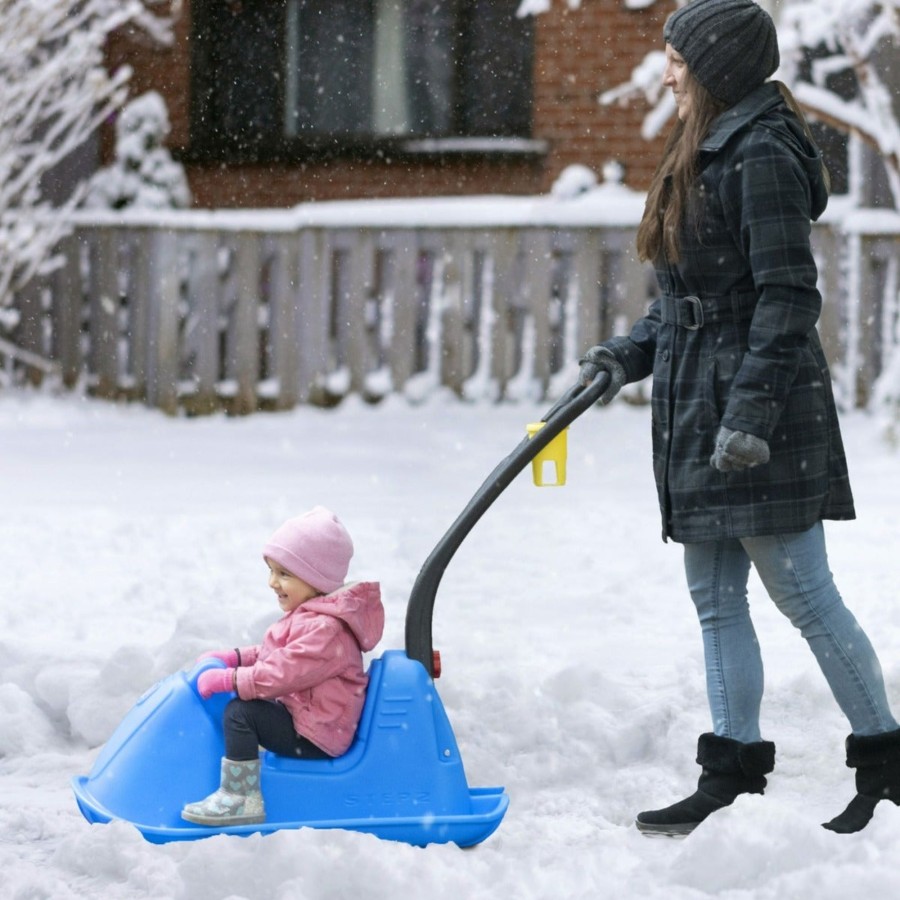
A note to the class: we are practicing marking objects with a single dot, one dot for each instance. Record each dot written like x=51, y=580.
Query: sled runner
x=402, y=778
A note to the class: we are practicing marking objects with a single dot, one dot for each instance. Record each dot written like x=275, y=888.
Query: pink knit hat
x=315, y=547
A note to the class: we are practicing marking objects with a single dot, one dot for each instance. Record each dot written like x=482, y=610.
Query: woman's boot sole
x=678, y=830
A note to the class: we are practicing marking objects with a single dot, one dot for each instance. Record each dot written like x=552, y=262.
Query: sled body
x=402, y=779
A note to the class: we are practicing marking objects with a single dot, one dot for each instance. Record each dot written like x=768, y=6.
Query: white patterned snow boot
x=238, y=801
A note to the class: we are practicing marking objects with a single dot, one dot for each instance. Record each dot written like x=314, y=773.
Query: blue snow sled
x=402, y=778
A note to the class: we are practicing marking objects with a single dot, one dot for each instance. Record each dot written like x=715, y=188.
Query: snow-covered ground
x=130, y=542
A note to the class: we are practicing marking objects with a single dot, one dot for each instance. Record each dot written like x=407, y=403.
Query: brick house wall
x=578, y=53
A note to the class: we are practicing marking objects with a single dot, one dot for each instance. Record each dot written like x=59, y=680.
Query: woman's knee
x=794, y=571
x=809, y=606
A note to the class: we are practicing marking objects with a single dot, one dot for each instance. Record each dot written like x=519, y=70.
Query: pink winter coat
x=311, y=661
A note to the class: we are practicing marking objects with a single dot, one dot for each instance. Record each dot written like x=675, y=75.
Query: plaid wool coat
x=732, y=339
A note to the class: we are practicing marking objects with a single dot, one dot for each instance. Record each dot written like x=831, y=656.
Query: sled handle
x=420, y=608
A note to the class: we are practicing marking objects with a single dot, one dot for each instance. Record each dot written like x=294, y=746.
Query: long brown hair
x=657, y=235
x=667, y=197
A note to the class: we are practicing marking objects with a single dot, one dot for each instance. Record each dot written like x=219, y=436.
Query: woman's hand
x=598, y=359
x=736, y=450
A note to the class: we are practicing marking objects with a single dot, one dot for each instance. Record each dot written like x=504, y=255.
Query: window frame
x=209, y=145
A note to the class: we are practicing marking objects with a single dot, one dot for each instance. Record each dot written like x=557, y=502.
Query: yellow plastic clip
x=552, y=457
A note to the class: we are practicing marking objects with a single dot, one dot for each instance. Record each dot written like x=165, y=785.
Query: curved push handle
x=420, y=608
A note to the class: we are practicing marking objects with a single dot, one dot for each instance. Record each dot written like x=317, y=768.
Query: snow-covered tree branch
x=819, y=39
x=859, y=36
x=54, y=93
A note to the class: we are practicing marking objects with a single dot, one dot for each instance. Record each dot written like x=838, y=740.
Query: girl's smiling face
x=675, y=76
x=290, y=590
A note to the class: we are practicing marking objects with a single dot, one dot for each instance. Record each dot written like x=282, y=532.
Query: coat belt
x=695, y=312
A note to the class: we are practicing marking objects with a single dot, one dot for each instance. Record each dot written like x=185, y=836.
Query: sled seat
x=404, y=760
x=348, y=759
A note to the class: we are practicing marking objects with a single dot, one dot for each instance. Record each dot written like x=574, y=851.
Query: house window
x=278, y=76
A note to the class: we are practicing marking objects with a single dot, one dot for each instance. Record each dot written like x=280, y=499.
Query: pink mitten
x=229, y=657
x=215, y=681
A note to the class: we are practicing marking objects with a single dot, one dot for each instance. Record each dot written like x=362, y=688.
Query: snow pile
x=572, y=663
x=143, y=175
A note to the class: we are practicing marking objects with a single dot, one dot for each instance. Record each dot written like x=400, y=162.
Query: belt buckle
x=697, y=313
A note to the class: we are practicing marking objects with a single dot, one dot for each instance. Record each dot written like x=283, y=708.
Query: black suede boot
x=729, y=768
x=876, y=759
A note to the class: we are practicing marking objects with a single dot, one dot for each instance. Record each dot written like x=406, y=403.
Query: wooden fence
x=199, y=312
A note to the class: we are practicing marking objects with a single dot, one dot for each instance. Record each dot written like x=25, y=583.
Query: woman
x=747, y=450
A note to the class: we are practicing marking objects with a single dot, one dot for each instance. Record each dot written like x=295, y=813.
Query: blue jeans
x=794, y=570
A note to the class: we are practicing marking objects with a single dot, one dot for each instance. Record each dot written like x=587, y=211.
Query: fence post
x=162, y=321
x=590, y=312
x=827, y=255
x=30, y=301
x=875, y=337
x=313, y=320
x=356, y=285
x=505, y=253
x=68, y=302
x=538, y=261
x=243, y=348
x=201, y=337
x=104, y=300
x=142, y=298
x=626, y=278
x=284, y=300
x=405, y=307
x=457, y=296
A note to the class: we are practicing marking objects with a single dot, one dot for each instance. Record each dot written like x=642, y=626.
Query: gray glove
x=737, y=450
x=598, y=359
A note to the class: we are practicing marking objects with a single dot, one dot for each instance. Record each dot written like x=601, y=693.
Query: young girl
x=747, y=449
x=301, y=692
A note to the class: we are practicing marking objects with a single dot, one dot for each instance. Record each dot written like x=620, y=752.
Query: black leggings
x=250, y=724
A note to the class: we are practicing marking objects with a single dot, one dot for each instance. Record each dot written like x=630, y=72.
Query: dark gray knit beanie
x=730, y=46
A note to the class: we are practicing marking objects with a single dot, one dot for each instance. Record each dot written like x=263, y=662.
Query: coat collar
x=757, y=103
x=766, y=102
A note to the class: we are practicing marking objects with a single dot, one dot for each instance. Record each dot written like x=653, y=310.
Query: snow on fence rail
x=494, y=299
